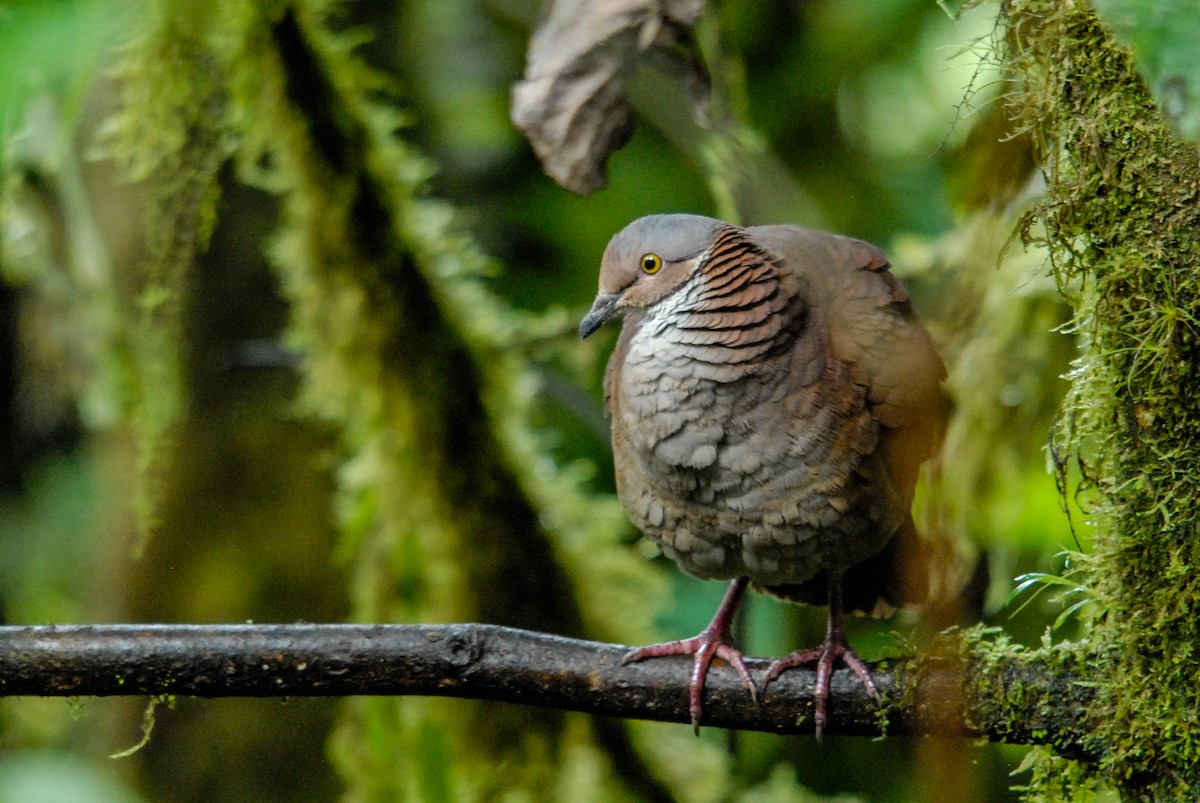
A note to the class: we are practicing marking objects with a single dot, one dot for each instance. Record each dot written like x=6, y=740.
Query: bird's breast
x=681, y=395
x=739, y=466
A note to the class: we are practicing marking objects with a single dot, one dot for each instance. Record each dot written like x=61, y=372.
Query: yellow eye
x=651, y=263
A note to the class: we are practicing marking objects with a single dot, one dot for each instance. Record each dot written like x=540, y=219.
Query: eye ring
x=651, y=264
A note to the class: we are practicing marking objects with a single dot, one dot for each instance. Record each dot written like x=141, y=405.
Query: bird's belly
x=725, y=495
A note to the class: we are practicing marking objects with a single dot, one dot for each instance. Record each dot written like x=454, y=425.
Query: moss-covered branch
x=1040, y=697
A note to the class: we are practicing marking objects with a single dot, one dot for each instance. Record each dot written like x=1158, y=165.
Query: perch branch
x=488, y=662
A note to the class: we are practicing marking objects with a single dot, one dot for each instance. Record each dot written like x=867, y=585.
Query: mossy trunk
x=1121, y=221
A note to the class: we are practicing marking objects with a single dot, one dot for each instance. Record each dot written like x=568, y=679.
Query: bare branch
x=489, y=662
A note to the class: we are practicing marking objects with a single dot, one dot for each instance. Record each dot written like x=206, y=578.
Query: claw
x=833, y=649
x=714, y=641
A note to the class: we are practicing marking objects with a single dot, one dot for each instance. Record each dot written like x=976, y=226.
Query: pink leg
x=714, y=641
x=835, y=647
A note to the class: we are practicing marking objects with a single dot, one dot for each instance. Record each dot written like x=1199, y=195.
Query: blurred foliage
x=55, y=49
x=1162, y=38
x=34, y=776
x=230, y=289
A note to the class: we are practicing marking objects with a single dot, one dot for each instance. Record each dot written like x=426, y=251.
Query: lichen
x=1121, y=223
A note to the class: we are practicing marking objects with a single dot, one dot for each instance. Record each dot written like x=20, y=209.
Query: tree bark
x=948, y=694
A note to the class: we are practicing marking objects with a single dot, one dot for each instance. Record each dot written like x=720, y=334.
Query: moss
x=1121, y=222
x=425, y=377
x=148, y=719
x=167, y=136
x=1043, y=697
x=1033, y=696
x=448, y=505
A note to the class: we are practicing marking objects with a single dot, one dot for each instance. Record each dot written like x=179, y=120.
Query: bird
x=772, y=397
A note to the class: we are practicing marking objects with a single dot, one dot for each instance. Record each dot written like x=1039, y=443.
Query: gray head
x=646, y=261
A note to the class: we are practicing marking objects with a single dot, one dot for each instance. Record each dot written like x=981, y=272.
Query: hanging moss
x=1121, y=222
x=419, y=370
x=167, y=136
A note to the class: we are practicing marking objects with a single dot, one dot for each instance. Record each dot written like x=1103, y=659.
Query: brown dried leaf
x=571, y=105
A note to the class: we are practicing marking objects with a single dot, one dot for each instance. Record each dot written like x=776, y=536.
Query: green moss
x=148, y=719
x=1044, y=697
x=167, y=136
x=1121, y=222
x=426, y=379
x=1033, y=696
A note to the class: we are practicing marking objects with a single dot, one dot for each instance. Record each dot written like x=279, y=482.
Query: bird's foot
x=704, y=647
x=835, y=648
x=715, y=641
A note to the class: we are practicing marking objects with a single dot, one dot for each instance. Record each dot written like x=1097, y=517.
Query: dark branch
x=483, y=662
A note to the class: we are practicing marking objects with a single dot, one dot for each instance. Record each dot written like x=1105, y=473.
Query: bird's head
x=647, y=261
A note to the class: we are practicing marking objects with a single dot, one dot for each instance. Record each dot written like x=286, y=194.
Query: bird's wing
x=869, y=323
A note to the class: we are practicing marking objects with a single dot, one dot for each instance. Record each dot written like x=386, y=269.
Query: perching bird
x=772, y=396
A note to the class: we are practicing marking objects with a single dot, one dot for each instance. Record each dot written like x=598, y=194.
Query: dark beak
x=602, y=309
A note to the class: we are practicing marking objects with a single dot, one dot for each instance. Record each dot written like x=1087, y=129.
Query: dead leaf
x=571, y=105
